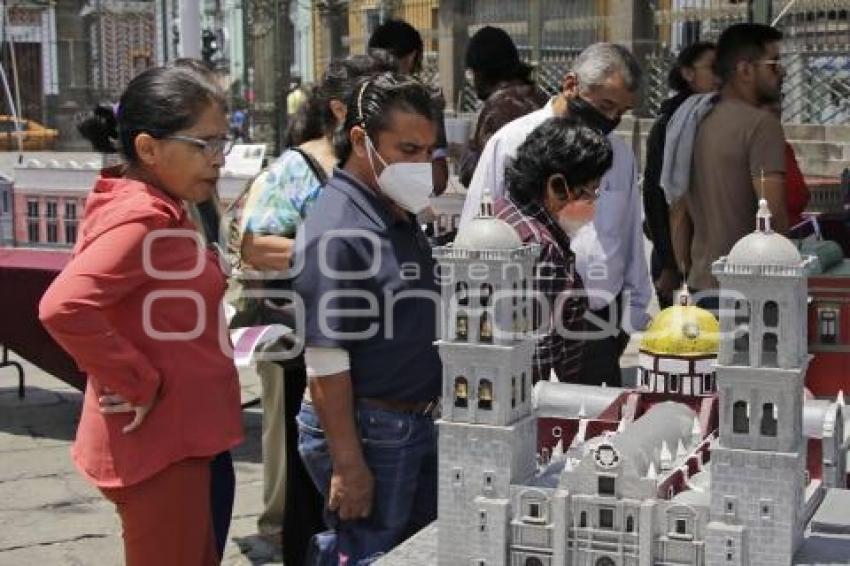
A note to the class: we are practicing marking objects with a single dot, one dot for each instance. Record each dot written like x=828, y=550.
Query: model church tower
x=487, y=430
x=758, y=466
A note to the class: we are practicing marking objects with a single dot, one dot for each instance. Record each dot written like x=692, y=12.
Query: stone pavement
x=50, y=516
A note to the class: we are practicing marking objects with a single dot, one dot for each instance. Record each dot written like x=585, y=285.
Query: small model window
x=486, y=329
x=606, y=485
x=485, y=395
x=828, y=326
x=766, y=506
x=630, y=524
x=522, y=390
x=768, y=350
x=606, y=518
x=771, y=314
x=582, y=521
x=462, y=324
x=534, y=510
x=461, y=392
x=729, y=505
x=741, y=417
x=486, y=295
x=769, y=419
x=462, y=294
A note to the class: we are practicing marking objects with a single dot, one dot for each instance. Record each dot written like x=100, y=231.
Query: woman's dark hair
x=308, y=121
x=372, y=102
x=160, y=101
x=493, y=56
x=562, y=146
x=341, y=79
x=687, y=58
x=398, y=37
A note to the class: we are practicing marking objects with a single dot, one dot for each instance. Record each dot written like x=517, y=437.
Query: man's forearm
x=333, y=398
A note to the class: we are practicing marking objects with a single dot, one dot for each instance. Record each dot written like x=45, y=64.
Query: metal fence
x=550, y=33
x=816, y=57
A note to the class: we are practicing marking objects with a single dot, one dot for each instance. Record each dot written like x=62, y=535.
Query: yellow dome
x=683, y=331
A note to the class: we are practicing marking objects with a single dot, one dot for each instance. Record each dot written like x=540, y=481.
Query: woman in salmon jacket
x=139, y=309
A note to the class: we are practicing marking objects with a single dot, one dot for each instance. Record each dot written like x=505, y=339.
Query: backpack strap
x=315, y=167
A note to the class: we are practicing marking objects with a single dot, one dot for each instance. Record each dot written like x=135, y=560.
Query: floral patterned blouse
x=289, y=189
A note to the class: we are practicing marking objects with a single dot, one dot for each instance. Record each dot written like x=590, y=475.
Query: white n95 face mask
x=408, y=184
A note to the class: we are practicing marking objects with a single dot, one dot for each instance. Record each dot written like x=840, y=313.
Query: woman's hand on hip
x=113, y=403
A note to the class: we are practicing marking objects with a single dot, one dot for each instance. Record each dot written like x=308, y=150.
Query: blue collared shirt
x=368, y=282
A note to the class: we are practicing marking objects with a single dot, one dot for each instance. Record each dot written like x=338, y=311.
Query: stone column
x=453, y=37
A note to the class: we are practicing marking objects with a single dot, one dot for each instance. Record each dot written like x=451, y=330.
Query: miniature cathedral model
x=655, y=483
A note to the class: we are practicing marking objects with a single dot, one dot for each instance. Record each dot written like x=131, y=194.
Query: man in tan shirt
x=739, y=155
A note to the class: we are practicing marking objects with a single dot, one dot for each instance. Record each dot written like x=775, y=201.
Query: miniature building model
x=684, y=470
x=678, y=351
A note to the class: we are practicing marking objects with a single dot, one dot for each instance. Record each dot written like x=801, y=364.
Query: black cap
x=491, y=49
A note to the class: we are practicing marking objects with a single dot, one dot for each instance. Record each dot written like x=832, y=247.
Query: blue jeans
x=401, y=451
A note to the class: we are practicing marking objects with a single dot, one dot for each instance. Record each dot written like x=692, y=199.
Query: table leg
x=7, y=363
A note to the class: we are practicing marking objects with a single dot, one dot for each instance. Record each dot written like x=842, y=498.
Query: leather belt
x=426, y=408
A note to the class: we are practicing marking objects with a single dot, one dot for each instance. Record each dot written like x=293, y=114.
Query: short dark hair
x=739, y=42
x=558, y=146
x=372, y=102
x=492, y=54
x=160, y=101
x=341, y=78
x=687, y=58
x=398, y=37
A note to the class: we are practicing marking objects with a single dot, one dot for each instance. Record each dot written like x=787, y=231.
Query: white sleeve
x=488, y=173
x=636, y=277
x=326, y=361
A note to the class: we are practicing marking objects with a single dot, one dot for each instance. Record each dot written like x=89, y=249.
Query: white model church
x=712, y=473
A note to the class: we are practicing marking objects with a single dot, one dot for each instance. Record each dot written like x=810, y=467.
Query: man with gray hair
x=610, y=257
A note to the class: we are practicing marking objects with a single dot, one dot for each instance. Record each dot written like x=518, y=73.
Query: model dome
x=764, y=246
x=484, y=232
x=682, y=331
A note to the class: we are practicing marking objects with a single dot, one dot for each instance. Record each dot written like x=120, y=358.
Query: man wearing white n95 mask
x=610, y=258
x=366, y=430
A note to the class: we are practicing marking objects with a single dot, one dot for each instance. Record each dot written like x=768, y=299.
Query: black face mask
x=586, y=112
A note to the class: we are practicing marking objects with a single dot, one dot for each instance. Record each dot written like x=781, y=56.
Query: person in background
x=692, y=73
x=738, y=157
x=797, y=193
x=156, y=410
x=366, y=430
x=403, y=42
x=503, y=83
x=295, y=97
x=602, y=86
x=306, y=123
x=552, y=188
x=279, y=203
x=238, y=120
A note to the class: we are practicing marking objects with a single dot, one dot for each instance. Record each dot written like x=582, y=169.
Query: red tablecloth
x=25, y=275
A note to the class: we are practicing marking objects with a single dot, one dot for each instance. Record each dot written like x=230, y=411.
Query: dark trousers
x=303, y=514
x=222, y=489
x=600, y=361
